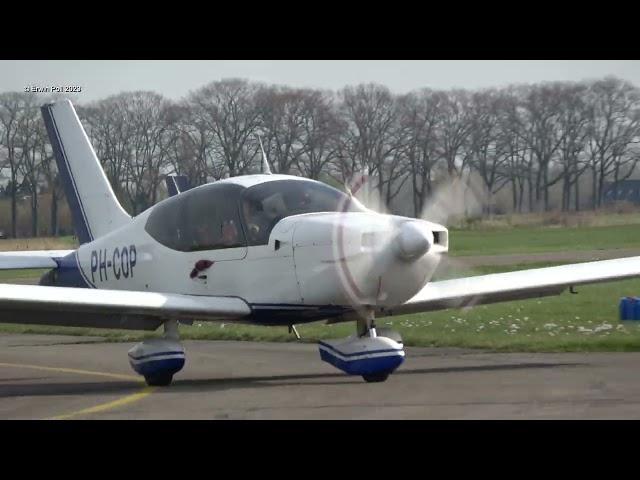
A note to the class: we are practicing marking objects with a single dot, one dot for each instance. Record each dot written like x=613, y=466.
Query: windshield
x=266, y=204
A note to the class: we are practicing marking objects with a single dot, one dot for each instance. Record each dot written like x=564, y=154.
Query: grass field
x=542, y=239
x=603, y=218
x=40, y=243
x=8, y=276
x=584, y=322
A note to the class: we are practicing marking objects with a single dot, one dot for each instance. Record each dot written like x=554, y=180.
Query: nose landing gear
x=373, y=354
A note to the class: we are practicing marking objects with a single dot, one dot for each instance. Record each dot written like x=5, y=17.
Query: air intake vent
x=441, y=238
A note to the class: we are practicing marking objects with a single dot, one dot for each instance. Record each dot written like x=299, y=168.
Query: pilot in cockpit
x=300, y=202
x=204, y=237
x=229, y=234
x=257, y=221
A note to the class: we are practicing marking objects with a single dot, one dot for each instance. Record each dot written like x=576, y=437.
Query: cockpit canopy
x=228, y=215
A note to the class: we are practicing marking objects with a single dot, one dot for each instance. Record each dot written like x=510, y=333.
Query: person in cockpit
x=229, y=234
x=204, y=237
x=257, y=222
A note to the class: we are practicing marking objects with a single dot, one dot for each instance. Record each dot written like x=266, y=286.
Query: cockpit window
x=206, y=218
x=266, y=204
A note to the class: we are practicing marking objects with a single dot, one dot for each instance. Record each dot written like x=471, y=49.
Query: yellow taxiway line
x=143, y=392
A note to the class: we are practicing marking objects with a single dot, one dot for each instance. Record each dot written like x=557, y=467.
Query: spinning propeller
x=392, y=244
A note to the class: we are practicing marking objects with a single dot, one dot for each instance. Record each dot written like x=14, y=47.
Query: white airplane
x=261, y=249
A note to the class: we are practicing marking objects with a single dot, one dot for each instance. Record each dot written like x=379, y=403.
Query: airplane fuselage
x=312, y=265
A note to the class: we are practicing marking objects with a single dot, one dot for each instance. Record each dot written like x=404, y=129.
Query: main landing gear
x=158, y=359
x=372, y=353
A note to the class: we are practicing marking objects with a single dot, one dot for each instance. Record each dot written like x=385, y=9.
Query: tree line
x=526, y=139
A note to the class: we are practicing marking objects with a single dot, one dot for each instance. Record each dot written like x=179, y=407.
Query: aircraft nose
x=413, y=241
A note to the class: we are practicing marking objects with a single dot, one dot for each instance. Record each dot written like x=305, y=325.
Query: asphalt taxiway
x=64, y=377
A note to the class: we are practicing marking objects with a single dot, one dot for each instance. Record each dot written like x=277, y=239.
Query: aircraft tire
x=162, y=380
x=375, y=377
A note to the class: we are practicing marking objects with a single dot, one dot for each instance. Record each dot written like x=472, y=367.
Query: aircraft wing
x=501, y=287
x=83, y=307
x=31, y=259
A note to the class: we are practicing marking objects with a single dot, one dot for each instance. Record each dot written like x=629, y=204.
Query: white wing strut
x=500, y=287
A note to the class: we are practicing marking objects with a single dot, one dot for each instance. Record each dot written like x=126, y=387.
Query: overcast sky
x=175, y=78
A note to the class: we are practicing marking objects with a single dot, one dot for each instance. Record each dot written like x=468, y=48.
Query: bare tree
x=537, y=123
x=228, y=109
x=31, y=142
x=151, y=119
x=321, y=131
x=371, y=116
x=573, y=120
x=489, y=146
x=50, y=174
x=518, y=169
x=456, y=124
x=193, y=152
x=614, y=123
x=12, y=107
x=282, y=120
x=111, y=137
x=419, y=118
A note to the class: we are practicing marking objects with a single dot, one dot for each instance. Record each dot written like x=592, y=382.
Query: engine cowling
x=364, y=258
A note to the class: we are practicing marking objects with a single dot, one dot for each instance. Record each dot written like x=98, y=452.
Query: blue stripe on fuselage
x=70, y=274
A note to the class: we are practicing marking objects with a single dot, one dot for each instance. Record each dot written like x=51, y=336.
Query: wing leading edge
x=501, y=287
x=79, y=307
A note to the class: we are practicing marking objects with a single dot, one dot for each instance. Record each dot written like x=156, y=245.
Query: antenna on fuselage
x=265, y=163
